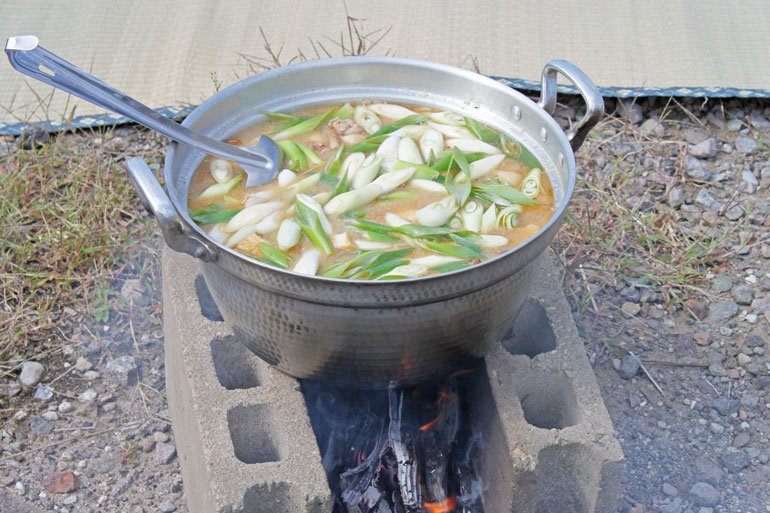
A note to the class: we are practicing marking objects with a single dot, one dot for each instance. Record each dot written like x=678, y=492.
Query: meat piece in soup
x=376, y=191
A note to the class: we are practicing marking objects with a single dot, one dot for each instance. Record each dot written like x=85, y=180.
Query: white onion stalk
x=428, y=185
x=311, y=203
x=508, y=217
x=431, y=142
x=408, y=151
x=455, y=222
x=451, y=131
x=322, y=197
x=305, y=183
x=447, y=118
x=217, y=234
x=414, y=131
x=531, y=186
x=389, y=147
x=368, y=170
x=395, y=220
x=491, y=241
x=240, y=234
x=308, y=262
x=384, y=184
x=432, y=261
x=268, y=224
x=350, y=165
x=288, y=234
x=438, y=212
x=367, y=119
x=252, y=215
x=483, y=166
x=257, y=197
x=340, y=240
x=286, y=177
x=472, y=214
x=407, y=271
x=489, y=219
x=388, y=110
x=472, y=146
x=371, y=244
x=221, y=170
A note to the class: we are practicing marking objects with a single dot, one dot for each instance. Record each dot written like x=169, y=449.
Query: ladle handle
x=586, y=88
x=28, y=57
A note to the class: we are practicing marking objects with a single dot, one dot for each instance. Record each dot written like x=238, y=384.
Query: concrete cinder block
x=244, y=438
x=246, y=444
x=558, y=450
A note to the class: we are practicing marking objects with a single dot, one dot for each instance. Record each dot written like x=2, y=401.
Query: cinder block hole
x=567, y=479
x=253, y=434
x=235, y=365
x=531, y=333
x=209, y=308
x=547, y=398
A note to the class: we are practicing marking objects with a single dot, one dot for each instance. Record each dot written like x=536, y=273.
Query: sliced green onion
x=388, y=110
x=460, y=189
x=516, y=151
x=409, y=120
x=276, y=257
x=398, y=195
x=504, y=195
x=454, y=250
x=221, y=170
x=214, y=207
x=530, y=186
x=455, y=266
x=311, y=156
x=215, y=217
x=447, y=118
x=367, y=171
x=480, y=131
x=308, y=262
x=451, y=131
x=489, y=219
x=219, y=189
x=305, y=183
x=288, y=234
x=367, y=119
x=473, y=145
x=297, y=159
x=342, y=186
x=304, y=127
x=310, y=222
x=408, y=151
x=358, y=197
x=408, y=270
x=508, y=217
x=343, y=112
x=471, y=214
x=333, y=166
x=431, y=143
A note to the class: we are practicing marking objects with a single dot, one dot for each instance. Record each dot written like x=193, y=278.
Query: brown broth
x=531, y=219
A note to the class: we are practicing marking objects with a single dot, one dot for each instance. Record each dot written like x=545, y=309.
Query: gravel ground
x=88, y=428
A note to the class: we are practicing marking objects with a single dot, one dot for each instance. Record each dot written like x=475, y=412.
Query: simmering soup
x=376, y=191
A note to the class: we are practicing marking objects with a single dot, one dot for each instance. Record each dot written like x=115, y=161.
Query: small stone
x=40, y=426
x=734, y=125
x=758, y=122
x=761, y=305
x=50, y=416
x=91, y=375
x=722, y=311
x=70, y=499
x=721, y=283
x=749, y=400
x=167, y=507
x=704, y=150
x=735, y=461
x=733, y=373
x=742, y=294
x=31, y=372
x=87, y=396
x=652, y=127
x=716, y=369
x=675, y=197
x=13, y=389
x=629, y=366
x=148, y=444
x=764, y=250
x=745, y=145
x=122, y=370
x=82, y=364
x=734, y=213
x=20, y=488
x=164, y=453
x=65, y=407
x=66, y=482
x=725, y=406
x=630, y=110
x=716, y=428
x=748, y=177
x=743, y=359
x=741, y=440
x=698, y=308
x=715, y=356
x=670, y=490
x=43, y=393
x=706, y=200
x=160, y=436
x=703, y=494
x=696, y=169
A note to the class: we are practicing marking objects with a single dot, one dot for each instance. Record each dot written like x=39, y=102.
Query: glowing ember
x=444, y=506
x=442, y=397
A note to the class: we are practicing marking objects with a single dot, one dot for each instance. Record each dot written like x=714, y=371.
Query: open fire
x=402, y=450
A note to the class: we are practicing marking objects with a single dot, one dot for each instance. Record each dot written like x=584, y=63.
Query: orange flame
x=463, y=371
x=442, y=396
x=444, y=506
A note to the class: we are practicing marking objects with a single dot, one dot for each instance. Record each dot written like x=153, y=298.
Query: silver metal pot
x=359, y=333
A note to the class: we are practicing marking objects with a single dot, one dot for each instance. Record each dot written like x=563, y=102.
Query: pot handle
x=590, y=93
x=156, y=202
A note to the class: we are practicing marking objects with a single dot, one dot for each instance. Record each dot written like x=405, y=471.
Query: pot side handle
x=156, y=202
x=587, y=89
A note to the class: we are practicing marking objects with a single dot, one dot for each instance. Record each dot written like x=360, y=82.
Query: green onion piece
x=504, y=195
x=445, y=157
x=382, y=237
x=342, y=186
x=329, y=180
x=517, y=152
x=310, y=222
x=480, y=131
x=343, y=112
x=333, y=166
x=454, y=250
x=415, y=231
x=214, y=207
x=312, y=157
x=215, y=217
x=362, y=259
x=508, y=217
x=463, y=241
x=357, y=214
x=461, y=190
x=275, y=256
x=280, y=115
x=425, y=171
x=304, y=127
x=426, y=174
x=363, y=146
x=414, y=119
x=531, y=185
x=398, y=195
x=375, y=272
x=454, y=266
x=219, y=189
x=297, y=159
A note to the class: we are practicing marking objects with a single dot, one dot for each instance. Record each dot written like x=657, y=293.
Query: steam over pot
x=371, y=334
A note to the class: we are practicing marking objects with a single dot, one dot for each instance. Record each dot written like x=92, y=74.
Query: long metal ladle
x=261, y=162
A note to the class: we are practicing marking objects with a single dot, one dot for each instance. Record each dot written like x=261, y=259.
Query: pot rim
x=554, y=129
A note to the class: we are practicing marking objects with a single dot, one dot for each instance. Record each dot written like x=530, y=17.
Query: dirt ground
x=666, y=255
